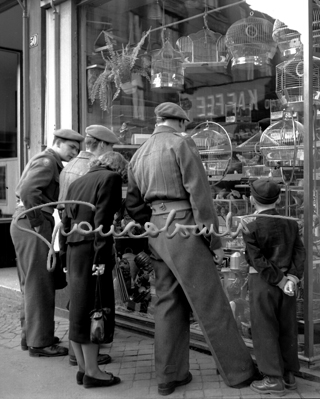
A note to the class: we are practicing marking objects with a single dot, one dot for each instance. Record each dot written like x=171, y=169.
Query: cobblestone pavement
x=24, y=377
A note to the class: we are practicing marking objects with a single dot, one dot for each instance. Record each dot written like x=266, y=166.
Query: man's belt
x=165, y=207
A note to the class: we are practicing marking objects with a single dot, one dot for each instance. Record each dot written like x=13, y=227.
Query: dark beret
x=171, y=111
x=68, y=134
x=265, y=191
x=102, y=133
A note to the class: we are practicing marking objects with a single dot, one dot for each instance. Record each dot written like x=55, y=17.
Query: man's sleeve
x=195, y=182
x=39, y=177
x=137, y=209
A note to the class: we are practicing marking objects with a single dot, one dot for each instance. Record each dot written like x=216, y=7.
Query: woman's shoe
x=79, y=377
x=90, y=382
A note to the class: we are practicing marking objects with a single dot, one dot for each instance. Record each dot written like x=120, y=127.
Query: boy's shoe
x=25, y=347
x=289, y=380
x=273, y=385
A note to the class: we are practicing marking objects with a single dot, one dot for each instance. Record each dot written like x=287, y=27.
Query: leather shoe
x=79, y=377
x=24, y=346
x=169, y=387
x=90, y=382
x=273, y=385
x=102, y=359
x=289, y=380
x=49, y=351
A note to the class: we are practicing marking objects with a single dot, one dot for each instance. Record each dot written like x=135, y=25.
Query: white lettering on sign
x=33, y=40
x=213, y=105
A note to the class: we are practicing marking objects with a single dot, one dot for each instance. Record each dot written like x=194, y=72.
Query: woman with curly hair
x=89, y=255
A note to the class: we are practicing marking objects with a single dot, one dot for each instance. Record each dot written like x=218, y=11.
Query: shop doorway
x=10, y=122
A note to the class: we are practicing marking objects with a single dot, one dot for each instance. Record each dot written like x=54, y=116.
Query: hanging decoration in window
x=250, y=41
x=119, y=72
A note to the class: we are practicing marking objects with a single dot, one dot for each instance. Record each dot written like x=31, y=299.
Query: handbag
x=101, y=329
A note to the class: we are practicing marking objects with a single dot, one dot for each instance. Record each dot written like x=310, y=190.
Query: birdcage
x=214, y=145
x=281, y=144
x=249, y=40
x=166, y=68
x=290, y=77
x=288, y=40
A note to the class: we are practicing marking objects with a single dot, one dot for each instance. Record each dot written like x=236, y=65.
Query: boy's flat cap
x=170, y=110
x=102, y=133
x=68, y=134
x=265, y=191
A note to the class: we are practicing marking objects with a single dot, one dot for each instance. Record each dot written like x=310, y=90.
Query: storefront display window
x=237, y=71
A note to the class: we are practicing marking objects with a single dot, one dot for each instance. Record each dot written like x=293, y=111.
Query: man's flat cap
x=171, y=111
x=265, y=191
x=68, y=134
x=102, y=133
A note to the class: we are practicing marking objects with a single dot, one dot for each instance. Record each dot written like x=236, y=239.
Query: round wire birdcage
x=290, y=77
x=250, y=41
x=281, y=144
x=215, y=148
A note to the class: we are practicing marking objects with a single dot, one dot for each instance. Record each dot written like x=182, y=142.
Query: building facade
x=248, y=78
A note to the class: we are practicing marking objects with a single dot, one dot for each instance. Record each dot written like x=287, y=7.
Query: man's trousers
x=186, y=277
x=36, y=283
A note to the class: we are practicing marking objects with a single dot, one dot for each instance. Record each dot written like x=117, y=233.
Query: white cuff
x=282, y=283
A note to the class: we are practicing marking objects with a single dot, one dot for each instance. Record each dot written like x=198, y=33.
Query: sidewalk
x=25, y=377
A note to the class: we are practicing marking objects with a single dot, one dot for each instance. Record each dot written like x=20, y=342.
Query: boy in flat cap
x=276, y=256
x=38, y=185
x=166, y=173
x=99, y=140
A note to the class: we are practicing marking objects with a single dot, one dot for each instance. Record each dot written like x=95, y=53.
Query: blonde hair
x=114, y=161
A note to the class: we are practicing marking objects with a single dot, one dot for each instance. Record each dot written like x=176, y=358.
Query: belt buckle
x=162, y=206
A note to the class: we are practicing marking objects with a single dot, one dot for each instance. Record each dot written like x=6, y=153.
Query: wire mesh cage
x=214, y=145
x=249, y=40
x=166, y=68
x=288, y=40
x=281, y=144
x=290, y=77
x=203, y=45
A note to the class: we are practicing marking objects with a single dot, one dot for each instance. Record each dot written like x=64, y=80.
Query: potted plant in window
x=119, y=72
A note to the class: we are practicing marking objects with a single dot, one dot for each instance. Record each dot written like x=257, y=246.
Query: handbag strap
x=98, y=301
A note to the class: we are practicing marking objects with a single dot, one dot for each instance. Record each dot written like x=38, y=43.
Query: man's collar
x=56, y=156
x=164, y=129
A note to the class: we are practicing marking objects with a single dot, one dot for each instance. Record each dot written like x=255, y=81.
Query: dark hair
x=91, y=143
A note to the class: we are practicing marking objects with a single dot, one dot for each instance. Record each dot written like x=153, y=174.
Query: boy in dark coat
x=276, y=256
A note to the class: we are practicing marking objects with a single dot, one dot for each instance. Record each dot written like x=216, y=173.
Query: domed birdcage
x=166, y=68
x=250, y=41
x=215, y=148
x=289, y=81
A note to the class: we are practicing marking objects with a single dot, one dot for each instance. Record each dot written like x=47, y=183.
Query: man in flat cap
x=38, y=185
x=166, y=173
x=276, y=256
x=98, y=140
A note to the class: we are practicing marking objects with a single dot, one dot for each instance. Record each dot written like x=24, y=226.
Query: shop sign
x=33, y=41
x=212, y=102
